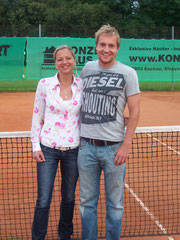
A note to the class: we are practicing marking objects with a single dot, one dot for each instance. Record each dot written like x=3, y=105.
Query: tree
x=162, y=13
x=24, y=13
x=81, y=18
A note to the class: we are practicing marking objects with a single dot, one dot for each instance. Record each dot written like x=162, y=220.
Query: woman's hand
x=126, y=119
x=38, y=156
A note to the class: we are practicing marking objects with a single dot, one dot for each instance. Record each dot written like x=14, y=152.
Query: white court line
x=146, y=209
x=149, y=135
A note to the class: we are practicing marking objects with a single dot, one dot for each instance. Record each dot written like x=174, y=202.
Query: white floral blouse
x=56, y=122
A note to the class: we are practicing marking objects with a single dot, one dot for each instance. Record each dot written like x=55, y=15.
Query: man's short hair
x=108, y=29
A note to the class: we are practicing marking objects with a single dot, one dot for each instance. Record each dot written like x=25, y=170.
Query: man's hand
x=38, y=156
x=124, y=149
x=122, y=154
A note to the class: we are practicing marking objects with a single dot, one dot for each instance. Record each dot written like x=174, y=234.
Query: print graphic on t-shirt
x=100, y=95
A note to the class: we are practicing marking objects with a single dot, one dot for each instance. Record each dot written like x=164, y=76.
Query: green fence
x=154, y=60
x=40, y=61
x=32, y=58
x=12, y=58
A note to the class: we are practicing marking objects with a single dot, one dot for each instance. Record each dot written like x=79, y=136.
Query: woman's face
x=65, y=61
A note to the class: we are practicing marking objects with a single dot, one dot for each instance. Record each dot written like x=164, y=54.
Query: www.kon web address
x=159, y=58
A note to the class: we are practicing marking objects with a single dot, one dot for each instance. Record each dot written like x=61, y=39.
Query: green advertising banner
x=12, y=58
x=154, y=60
x=40, y=62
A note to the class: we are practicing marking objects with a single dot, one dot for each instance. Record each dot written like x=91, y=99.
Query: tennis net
x=151, y=189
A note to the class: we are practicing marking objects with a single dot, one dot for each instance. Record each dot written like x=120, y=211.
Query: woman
x=55, y=137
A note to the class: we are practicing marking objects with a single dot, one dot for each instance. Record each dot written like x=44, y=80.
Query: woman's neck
x=65, y=80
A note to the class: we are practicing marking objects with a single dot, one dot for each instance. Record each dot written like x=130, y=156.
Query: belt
x=65, y=148
x=99, y=143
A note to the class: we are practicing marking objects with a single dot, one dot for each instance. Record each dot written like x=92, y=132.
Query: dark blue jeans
x=46, y=173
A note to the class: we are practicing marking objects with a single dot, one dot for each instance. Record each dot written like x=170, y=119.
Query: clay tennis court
x=157, y=109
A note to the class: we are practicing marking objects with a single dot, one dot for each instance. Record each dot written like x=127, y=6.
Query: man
x=108, y=86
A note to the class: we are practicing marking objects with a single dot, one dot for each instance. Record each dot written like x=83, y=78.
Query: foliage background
x=81, y=18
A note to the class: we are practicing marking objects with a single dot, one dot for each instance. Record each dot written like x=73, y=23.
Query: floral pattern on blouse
x=56, y=122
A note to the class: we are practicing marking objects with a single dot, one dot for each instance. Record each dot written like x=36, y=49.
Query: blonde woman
x=55, y=139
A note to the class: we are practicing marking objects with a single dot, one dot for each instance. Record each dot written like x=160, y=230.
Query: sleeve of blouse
x=38, y=116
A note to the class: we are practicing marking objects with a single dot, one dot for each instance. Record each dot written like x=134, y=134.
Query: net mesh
x=151, y=189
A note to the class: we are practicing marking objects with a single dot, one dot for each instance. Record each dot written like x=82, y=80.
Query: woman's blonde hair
x=108, y=29
x=63, y=47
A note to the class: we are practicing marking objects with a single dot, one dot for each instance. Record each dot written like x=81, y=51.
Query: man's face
x=107, y=49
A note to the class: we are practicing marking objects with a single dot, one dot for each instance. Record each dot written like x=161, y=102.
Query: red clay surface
x=157, y=109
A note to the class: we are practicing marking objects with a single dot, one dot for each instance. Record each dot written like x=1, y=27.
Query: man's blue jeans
x=91, y=161
x=46, y=173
